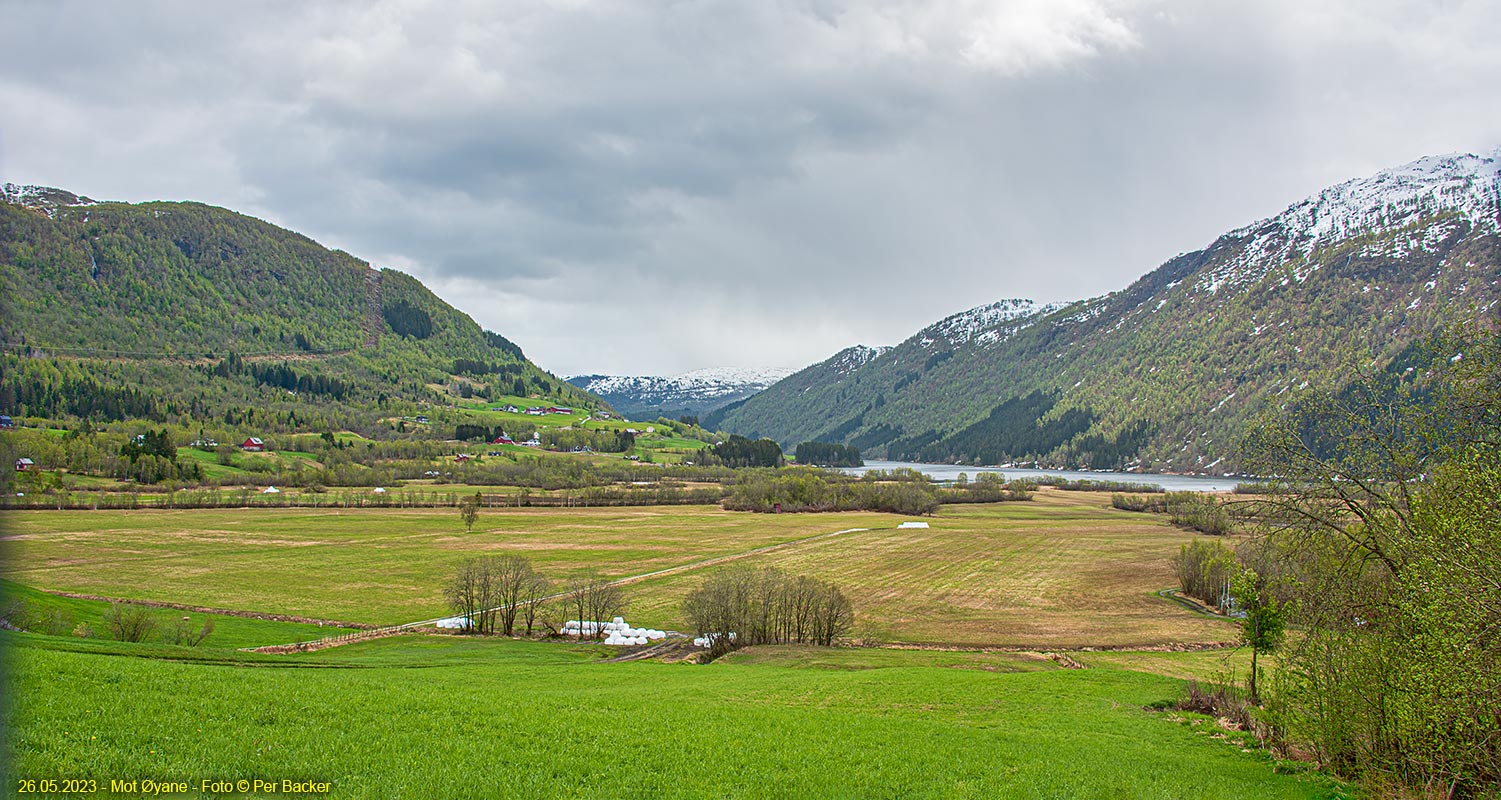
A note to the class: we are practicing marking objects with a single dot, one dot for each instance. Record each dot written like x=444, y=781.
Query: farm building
x=253, y=444
x=24, y=464
x=503, y=439
x=559, y=410
x=6, y=421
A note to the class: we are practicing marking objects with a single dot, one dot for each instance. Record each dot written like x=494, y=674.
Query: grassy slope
x=535, y=720
x=1063, y=570
x=229, y=631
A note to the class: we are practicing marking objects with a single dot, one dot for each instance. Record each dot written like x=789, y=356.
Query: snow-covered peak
x=42, y=198
x=701, y=383
x=1463, y=183
x=1464, y=187
x=743, y=376
x=852, y=358
x=961, y=328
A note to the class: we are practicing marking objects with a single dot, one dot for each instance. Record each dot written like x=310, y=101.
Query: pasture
x=1064, y=570
x=488, y=718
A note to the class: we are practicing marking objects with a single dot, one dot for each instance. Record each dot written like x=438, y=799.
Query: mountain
x=1166, y=373
x=693, y=393
x=845, y=362
x=197, y=311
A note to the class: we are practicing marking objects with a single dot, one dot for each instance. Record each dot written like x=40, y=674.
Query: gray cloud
x=663, y=186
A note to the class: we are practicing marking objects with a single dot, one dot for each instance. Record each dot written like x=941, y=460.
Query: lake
x=949, y=472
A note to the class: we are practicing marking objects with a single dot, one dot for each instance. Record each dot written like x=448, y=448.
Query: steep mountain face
x=693, y=393
x=835, y=369
x=1166, y=373
x=157, y=294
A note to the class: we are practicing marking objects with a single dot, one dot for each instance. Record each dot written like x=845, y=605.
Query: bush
x=1204, y=569
x=182, y=632
x=1141, y=503
x=1199, y=512
x=805, y=489
x=129, y=623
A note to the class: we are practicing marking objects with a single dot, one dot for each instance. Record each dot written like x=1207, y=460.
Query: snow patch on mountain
x=702, y=383
x=42, y=198
x=852, y=358
x=960, y=328
x=1465, y=185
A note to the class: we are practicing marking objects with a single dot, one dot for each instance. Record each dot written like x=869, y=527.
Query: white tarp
x=913, y=525
x=617, y=631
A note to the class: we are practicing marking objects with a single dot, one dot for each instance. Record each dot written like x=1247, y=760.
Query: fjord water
x=949, y=472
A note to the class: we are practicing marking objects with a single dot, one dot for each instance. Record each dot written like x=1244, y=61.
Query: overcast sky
x=649, y=188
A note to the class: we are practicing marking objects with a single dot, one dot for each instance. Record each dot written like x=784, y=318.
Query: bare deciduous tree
x=767, y=607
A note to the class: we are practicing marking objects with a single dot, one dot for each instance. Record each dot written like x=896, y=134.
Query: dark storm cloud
x=657, y=187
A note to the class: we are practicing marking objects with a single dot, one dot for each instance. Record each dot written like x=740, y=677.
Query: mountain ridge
x=1164, y=373
x=157, y=293
x=692, y=393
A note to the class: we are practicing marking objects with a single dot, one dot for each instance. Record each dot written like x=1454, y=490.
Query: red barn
x=253, y=444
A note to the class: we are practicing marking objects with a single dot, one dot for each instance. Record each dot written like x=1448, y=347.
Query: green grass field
x=229, y=631
x=448, y=717
x=1065, y=570
x=953, y=714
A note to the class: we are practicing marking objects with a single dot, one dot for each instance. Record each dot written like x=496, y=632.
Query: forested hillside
x=1167, y=373
x=183, y=311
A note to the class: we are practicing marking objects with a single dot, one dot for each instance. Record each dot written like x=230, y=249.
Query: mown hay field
x=1064, y=570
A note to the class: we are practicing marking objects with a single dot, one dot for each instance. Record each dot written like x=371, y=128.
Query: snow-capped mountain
x=691, y=393
x=42, y=198
x=1166, y=372
x=852, y=358
x=1439, y=194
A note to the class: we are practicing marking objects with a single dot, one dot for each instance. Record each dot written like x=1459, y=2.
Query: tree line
x=738, y=451
x=828, y=454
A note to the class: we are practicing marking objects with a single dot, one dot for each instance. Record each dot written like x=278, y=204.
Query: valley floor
x=962, y=700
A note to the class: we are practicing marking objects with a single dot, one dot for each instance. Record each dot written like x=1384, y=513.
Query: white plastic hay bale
x=618, y=620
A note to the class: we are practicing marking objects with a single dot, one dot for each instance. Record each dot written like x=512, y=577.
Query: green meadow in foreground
x=448, y=717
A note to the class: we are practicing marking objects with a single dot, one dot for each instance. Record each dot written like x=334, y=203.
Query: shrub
x=1200, y=512
x=1142, y=503
x=1204, y=569
x=129, y=623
